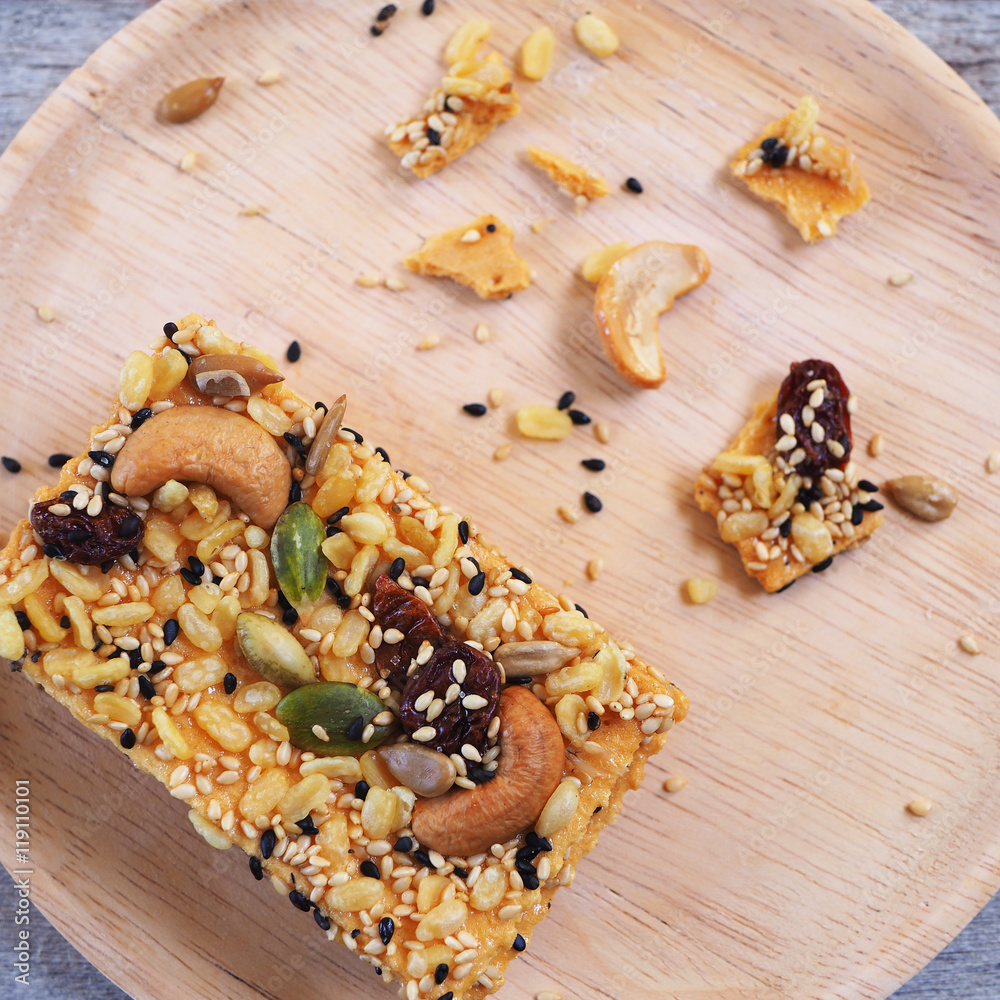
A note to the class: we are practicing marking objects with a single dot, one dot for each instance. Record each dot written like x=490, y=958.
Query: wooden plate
x=788, y=867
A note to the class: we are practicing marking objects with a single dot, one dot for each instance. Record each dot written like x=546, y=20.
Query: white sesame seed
x=824, y=228
x=900, y=278
x=424, y=734
x=970, y=644
x=392, y=636
x=753, y=166
x=818, y=432
x=469, y=752
x=269, y=77
x=992, y=462
x=787, y=422
x=474, y=702
x=320, y=733
x=395, y=284
x=817, y=397
x=481, y=333
x=835, y=448
x=786, y=443
x=471, y=236
x=808, y=415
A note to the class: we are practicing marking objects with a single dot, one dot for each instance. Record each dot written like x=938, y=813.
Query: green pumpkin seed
x=273, y=651
x=299, y=563
x=335, y=709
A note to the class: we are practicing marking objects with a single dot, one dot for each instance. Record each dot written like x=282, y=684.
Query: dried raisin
x=396, y=608
x=831, y=414
x=87, y=540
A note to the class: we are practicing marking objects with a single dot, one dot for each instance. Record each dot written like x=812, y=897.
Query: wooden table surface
x=42, y=40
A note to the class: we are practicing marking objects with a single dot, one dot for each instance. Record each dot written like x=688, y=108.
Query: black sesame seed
x=433, y=136
x=424, y=858
x=332, y=529
x=519, y=574
x=441, y=973
x=64, y=621
x=778, y=155
x=867, y=485
x=193, y=578
x=477, y=583
x=127, y=739
x=362, y=788
x=386, y=928
x=59, y=459
x=542, y=843
x=294, y=492
x=169, y=329
x=447, y=996
x=530, y=880
x=579, y=417
x=519, y=943
x=857, y=516
x=102, y=688
x=171, y=629
x=420, y=581
x=633, y=185
x=10, y=464
x=427, y=8
x=78, y=535
x=289, y=616
x=593, y=464
x=299, y=901
x=592, y=503
x=481, y=776
x=53, y=551
x=337, y=515
x=581, y=609
x=385, y=455
x=566, y=400
x=156, y=666
x=461, y=872
x=322, y=920
x=296, y=442
x=872, y=506
x=786, y=528
x=769, y=145
x=593, y=721
x=491, y=227
x=129, y=526
x=294, y=351
x=375, y=30
x=146, y=688
x=786, y=586
x=370, y=869
x=825, y=564
x=140, y=417
x=475, y=409
x=102, y=458
x=357, y=436
x=23, y=620
x=307, y=826
x=256, y=868
x=404, y=473
x=396, y=569
x=403, y=845
x=525, y=855
x=229, y=683
x=106, y=565
x=463, y=531
x=520, y=680
x=135, y=661
x=356, y=932
x=267, y=841
x=383, y=15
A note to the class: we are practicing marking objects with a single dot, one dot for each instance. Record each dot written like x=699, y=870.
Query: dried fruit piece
x=465, y=42
x=230, y=375
x=273, y=651
x=814, y=394
x=458, y=712
x=85, y=539
x=427, y=772
x=297, y=555
x=397, y=609
x=813, y=182
x=189, y=100
x=701, y=590
x=480, y=256
x=636, y=289
x=596, y=36
x=536, y=53
x=337, y=710
x=570, y=176
x=545, y=423
x=924, y=497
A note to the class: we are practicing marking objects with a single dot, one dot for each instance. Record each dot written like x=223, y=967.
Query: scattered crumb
x=188, y=161
x=431, y=340
x=481, y=333
x=45, y=313
x=701, y=590
x=580, y=202
x=539, y=224
x=369, y=280
x=502, y=452
x=875, y=446
x=268, y=77
x=471, y=236
x=595, y=567
x=567, y=513
x=674, y=783
x=920, y=806
x=970, y=644
x=602, y=431
x=396, y=284
x=547, y=995
x=495, y=398
x=900, y=278
x=253, y=210
x=993, y=462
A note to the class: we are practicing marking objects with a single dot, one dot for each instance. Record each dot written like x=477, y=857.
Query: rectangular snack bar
x=412, y=739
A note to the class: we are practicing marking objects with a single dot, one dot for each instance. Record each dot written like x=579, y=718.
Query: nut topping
x=924, y=497
x=230, y=375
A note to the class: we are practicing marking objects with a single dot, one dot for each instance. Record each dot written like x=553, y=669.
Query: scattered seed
x=429, y=342
x=674, y=783
x=471, y=236
x=920, y=806
x=633, y=185
x=701, y=590
x=993, y=462
x=481, y=333
x=602, y=431
x=567, y=513
x=250, y=211
x=395, y=284
x=592, y=503
x=502, y=452
x=58, y=460
x=566, y=400
x=495, y=398
x=369, y=280
x=595, y=567
x=10, y=464
x=268, y=77
x=383, y=15
x=294, y=351
x=900, y=278
x=475, y=409
x=875, y=446
x=593, y=464
x=427, y=8
x=579, y=417
x=189, y=100
x=45, y=313
x=188, y=161
x=970, y=644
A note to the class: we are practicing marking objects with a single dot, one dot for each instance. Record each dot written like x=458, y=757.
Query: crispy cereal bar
x=793, y=165
x=474, y=97
x=480, y=256
x=786, y=492
x=409, y=737
x=570, y=176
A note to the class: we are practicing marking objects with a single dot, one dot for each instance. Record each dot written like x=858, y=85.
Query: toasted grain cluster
x=143, y=650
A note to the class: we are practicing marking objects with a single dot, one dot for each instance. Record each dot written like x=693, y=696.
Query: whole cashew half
x=207, y=444
x=532, y=758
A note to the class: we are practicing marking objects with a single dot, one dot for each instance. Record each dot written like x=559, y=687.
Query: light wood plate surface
x=788, y=867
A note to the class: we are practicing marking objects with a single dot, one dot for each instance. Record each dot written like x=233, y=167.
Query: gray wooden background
x=42, y=40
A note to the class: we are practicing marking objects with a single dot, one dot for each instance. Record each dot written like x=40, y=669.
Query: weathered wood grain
x=41, y=41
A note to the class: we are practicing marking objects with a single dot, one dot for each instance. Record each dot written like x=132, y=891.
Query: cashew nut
x=230, y=374
x=630, y=297
x=532, y=756
x=207, y=444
